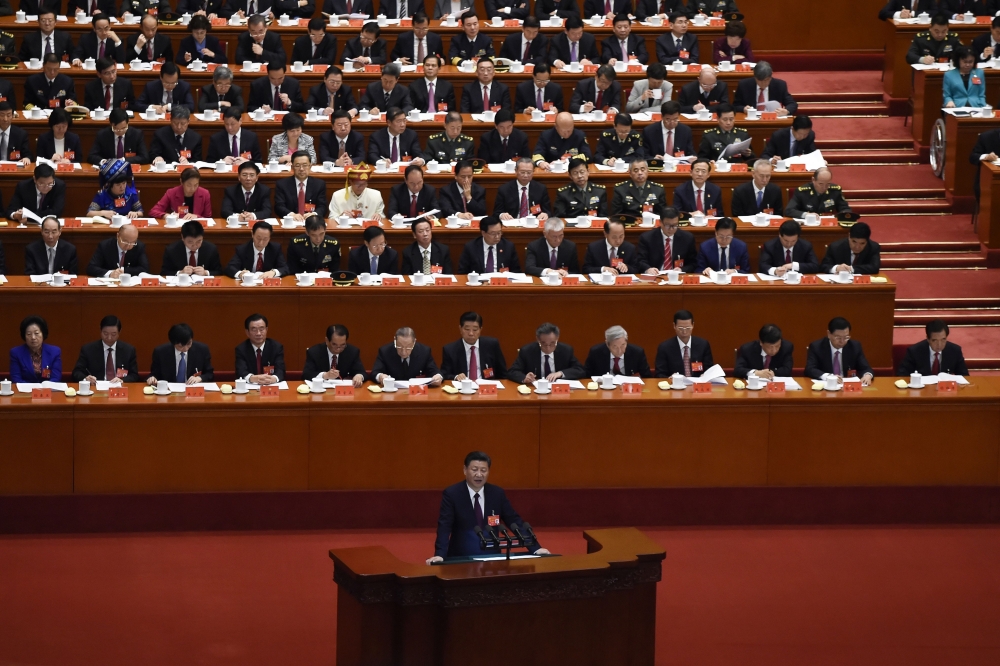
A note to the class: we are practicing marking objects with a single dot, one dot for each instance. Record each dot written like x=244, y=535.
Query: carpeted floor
x=861, y=129
x=885, y=596
x=833, y=81
x=922, y=228
x=956, y=283
x=887, y=177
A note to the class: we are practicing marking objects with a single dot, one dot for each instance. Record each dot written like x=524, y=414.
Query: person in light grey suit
x=655, y=73
x=443, y=7
x=292, y=123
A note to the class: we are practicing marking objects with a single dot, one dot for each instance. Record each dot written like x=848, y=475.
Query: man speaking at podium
x=468, y=504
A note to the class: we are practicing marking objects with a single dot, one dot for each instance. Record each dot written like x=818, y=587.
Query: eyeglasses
x=127, y=244
x=840, y=338
x=684, y=329
x=406, y=349
x=380, y=246
x=44, y=185
x=493, y=234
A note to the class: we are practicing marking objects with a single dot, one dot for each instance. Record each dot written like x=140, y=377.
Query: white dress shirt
x=479, y=358
x=253, y=368
x=552, y=364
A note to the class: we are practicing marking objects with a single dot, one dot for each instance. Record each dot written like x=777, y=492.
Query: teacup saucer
x=908, y=386
x=471, y=391
x=243, y=392
x=389, y=390
x=85, y=394
x=320, y=390
x=541, y=392
x=159, y=392
x=677, y=388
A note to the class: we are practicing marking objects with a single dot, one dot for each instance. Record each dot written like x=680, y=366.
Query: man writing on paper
x=405, y=358
x=857, y=253
x=683, y=354
x=182, y=359
x=788, y=252
x=546, y=358
x=41, y=196
x=935, y=354
x=259, y=359
x=109, y=358
x=767, y=357
x=335, y=359
x=820, y=196
x=837, y=355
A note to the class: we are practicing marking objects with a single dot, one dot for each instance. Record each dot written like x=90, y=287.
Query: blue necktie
x=374, y=265
x=182, y=369
x=760, y=197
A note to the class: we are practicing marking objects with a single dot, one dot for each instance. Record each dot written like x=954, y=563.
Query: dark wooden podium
x=598, y=608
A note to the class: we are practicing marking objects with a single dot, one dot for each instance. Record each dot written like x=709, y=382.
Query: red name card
x=78, y=282
x=72, y=223
x=776, y=387
x=691, y=279
x=272, y=282
x=632, y=388
x=589, y=69
x=488, y=389
x=769, y=115
x=571, y=281
x=560, y=389
x=443, y=282
x=739, y=279
x=41, y=394
x=502, y=281
x=683, y=168
x=369, y=223
x=390, y=282
x=119, y=392
x=862, y=279
x=212, y=282
x=140, y=223
x=136, y=168
x=150, y=282
x=344, y=391
x=949, y=386
x=702, y=387
x=738, y=168
x=797, y=167
x=623, y=280
x=634, y=68
x=810, y=279
x=64, y=167
x=217, y=22
x=194, y=392
x=269, y=391
x=405, y=22
x=373, y=69
x=852, y=387
x=323, y=282
x=418, y=390
x=8, y=167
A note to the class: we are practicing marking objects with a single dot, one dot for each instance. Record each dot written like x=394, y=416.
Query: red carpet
x=860, y=129
x=882, y=596
x=886, y=178
x=832, y=82
x=922, y=229
x=956, y=283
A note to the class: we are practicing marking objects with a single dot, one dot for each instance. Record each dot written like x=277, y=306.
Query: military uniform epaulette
x=467, y=138
x=624, y=182
x=607, y=133
x=714, y=130
x=741, y=129
x=833, y=187
x=805, y=188
x=564, y=187
x=653, y=183
x=4, y=33
x=925, y=33
x=596, y=185
x=436, y=136
x=953, y=35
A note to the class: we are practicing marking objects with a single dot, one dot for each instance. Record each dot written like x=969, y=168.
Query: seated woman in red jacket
x=188, y=199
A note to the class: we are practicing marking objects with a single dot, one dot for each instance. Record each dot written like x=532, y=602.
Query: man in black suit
x=258, y=45
x=758, y=195
x=148, y=45
x=767, y=357
x=484, y=88
x=539, y=93
x=394, y=141
x=857, y=253
x=102, y=42
x=564, y=9
x=46, y=40
x=335, y=358
x=573, y=45
x=49, y=89
x=683, y=354
x=316, y=48
x=668, y=137
x=678, y=44
x=119, y=140
x=788, y=252
x=221, y=94
x=546, y=358
x=340, y=7
x=108, y=91
x=7, y=93
x=49, y=254
x=705, y=93
x=698, y=194
x=166, y=93
x=341, y=145
x=17, y=149
x=491, y=253
x=176, y=142
x=464, y=508
x=421, y=89
x=43, y=194
x=249, y=199
x=405, y=358
x=234, y=145
x=935, y=354
x=192, y=254
x=401, y=9
x=259, y=359
x=276, y=92
x=668, y=247
x=470, y=44
x=260, y=255
x=414, y=46
x=623, y=46
x=551, y=254
x=985, y=45
x=296, y=8
x=505, y=142
x=90, y=8
x=425, y=255
x=181, y=358
x=374, y=256
x=523, y=196
x=473, y=356
x=617, y=356
x=463, y=197
x=386, y=93
x=287, y=190
x=107, y=359
x=527, y=46
x=413, y=196
x=332, y=95
x=245, y=8
x=749, y=92
x=601, y=92
x=614, y=254
x=838, y=355
x=784, y=143
x=122, y=254
x=367, y=48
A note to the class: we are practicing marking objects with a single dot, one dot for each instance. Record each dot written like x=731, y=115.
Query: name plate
x=119, y=392
x=418, y=390
x=369, y=223
x=373, y=69
x=344, y=391
x=8, y=167
x=272, y=282
x=739, y=279
x=150, y=282
x=64, y=167
x=571, y=281
x=691, y=279
x=78, y=282
x=950, y=386
x=560, y=389
x=683, y=168
x=809, y=279
x=702, y=387
x=269, y=391
x=797, y=167
x=323, y=282
x=852, y=387
x=776, y=387
x=212, y=282
x=738, y=168
x=140, y=223
x=136, y=168
x=769, y=115
x=72, y=223
x=501, y=281
x=194, y=392
x=589, y=69
x=632, y=388
x=390, y=282
x=623, y=280
x=41, y=394
x=488, y=389
x=862, y=279
x=443, y=282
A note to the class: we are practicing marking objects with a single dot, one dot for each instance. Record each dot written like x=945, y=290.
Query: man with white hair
x=756, y=92
x=552, y=254
x=404, y=358
x=617, y=356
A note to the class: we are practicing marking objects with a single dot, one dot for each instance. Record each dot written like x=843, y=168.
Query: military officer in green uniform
x=638, y=193
x=7, y=44
x=715, y=140
x=820, y=196
x=581, y=197
x=314, y=251
x=563, y=139
x=934, y=45
x=450, y=145
x=620, y=143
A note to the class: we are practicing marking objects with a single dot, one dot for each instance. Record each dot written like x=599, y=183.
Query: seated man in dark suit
x=724, y=252
x=335, y=358
x=617, y=356
x=149, y=45
x=286, y=191
x=107, y=359
x=249, y=199
x=797, y=140
x=528, y=46
x=342, y=145
x=259, y=45
x=464, y=507
x=259, y=359
x=234, y=144
x=122, y=254
x=614, y=254
x=508, y=9
x=49, y=88
x=546, y=358
x=46, y=39
x=430, y=84
x=539, y=92
x=177, y=142
x=623, y=46
x=276, y=91
x=118, y=140
x=332, y=95
x=367, y=48
x=50, y=255
x=788, y=252
x=404, y=358
x=698, y=194
x=462, y=198
x=600, y=92
x=683, y=354
x=523, y=196
x=767, y=357
x=551, y=254
x=339, y=7
x=758, y=195
x=491, y=253
x=318, y=47
x=386, y=93
x=473, y=357
x=668, y=247
x=561, y=139
x=108, y=91
x=102, y=42
x=7, y=93
x=413, y=196
x=678, y=43
x=42, y=187
x=413, y=47
x=260, y=255
x=166, y=93
x=485, y=87
x=573, y=44
x=374, y=256
x=763, y=84
x=394, y=142
x=192, y=254
x=857, y=253
x=935, y=354
x=505, y=142
x=470, y=44
x=182, y=359
x=669, y=137
x=838, y=355
x=705, y=93
x=425, y=255
x=221, y=93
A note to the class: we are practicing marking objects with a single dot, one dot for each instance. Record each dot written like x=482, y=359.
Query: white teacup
x=6, y=388
x=150, y=114
x=467, y=384
x=305, y=280
x=259, y=114
x=762, y=218
x=382, y=20
x=679, y=66
x=197, y=66
x=753, y=114
x=364, y=114
x=34, y=63
x=125, y=279
x=467, y=66
x=234, y=19
x=162, y=386
x=538, y=114
x=298, y=66
x=655, y=20
x=311, y=114
x=498, y=21
x=531, y=222
x=574, y=67
x=607, y=381
x=413, y=115
x=450, y=21
x=90, y=64
x=698, y=219
x=791, y=277
x=673, y=275
x=37, y=113
x=380, y=167
x=160, y=167
x=248, y=278
x=916, y=380
x=704, y=114
x=555, y=21
x=725, y=65
x=84, y=387
x=388, y=382
x=328, y=166
x=845, y=276
x=20, y=17
x=184, y=280
x=118, y=220
x=241, y=386
x=510, y=166
x=99, y=113
x=453, y=222
x=831, y=383
x=211, y=114
x=657, y=93
x=699, y=19
x=677, y=381
x=288, y=223
x=489, y=115
x=620, y=166
x=185, y=18
x=273, y=166
x=753, y=382
x=607, y=278
x=599, y=115
x=969, y=17
x=365, y=278
x=233, y=220
x=722, y=277
x=171, y=219
x=811, y=218
x=543, y=384
x=222, y=167
x=418, y=279
x=986, y=111
x=58, y=279
x=472, y=278
x=552, y=280
x=348, y=65
x=621, y=66
x=516, y=67
x=316, y=384
x=343, y=221
x=432, y=166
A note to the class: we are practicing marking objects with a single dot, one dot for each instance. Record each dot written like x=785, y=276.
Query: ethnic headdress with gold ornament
x=360, y=171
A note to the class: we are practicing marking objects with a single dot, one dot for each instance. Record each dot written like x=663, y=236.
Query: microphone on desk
x=519, y=533
x=528, y=531
x=482, y=537
x=493, y=536
x=506, y=535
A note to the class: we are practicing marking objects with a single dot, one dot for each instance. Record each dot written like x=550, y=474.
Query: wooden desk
x=961, y=135
x=883, y=436
x=598, y=608
x=988, y=220
x=927, y=101
x=896, y=79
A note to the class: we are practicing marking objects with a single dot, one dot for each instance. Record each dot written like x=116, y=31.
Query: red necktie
x=259, y=268
x=527, y=48
x=100, y=52
x=149, y=49
x=486, y=99
x=600, y=99
x=523, y=211
x=687, y=361
x=699, y=204
x=760, y=100
x=788, y=256
x=616, y=368
x=936, y=367
x=668, y=256
x=260, y=364
x=350, y=7
x=302, y=198
x=191, y=260
x=333, y=362
x=109, y=367
x=107, y=98
x=767, y=361
x=670, y=143
x=277, y=99
x=413, y=205
x=473, y=372
x=607, y=7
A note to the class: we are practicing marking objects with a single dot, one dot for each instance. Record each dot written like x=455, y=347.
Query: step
x=948, y=303
x=898, y=206
x=868, y=157
x=930, y=246
x=900, y=194
x=969, y=317
x=863, y=109
x=934, y=260
x=826, y=144
x=867, y=97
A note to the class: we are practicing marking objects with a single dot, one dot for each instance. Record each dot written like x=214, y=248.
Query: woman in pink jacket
x=188, y=199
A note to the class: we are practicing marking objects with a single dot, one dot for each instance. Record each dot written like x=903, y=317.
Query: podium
x=598, y=608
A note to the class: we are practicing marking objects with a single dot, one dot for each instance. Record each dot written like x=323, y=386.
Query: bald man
x=563, y=139
x=705, y=93
x=121, y=254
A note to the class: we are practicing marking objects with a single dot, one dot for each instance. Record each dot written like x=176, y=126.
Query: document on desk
x=26, y=387
x=789, y=382
x=714, y=375
x=515, y=278
x=573, y=383
x=480, y=382
x=735, y=148
x=812, y=161
x=620, y=379
x=281, y=385
x=945, y=377
x=417, y=381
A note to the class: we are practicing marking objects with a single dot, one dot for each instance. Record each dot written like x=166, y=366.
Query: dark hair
x=314, y=222
x=180, y=334
x=105, y=63
x=860, y=230
x=838, y=324
x=802, y=122
x=542, y=68
x=656, y=71
x=606, y=71
x=256, y=316
x=621, y=17
x=52, y=57
x=609, y=222
x=961, y=53
x=275, y=65
x=433, y=56
x=392, y=113
x=670, y=107
x=410, y=169
x=233, y=112
x=43, y=171
x=393, y=70
x=683, y=315
x=338, y=114
x=420, y=16
x=724, y=107
x=939, y=19
x=111, y=320
x=38, y=321
x=117, y=116
x=249, y=164
x=316, y=23
x=936, y=326
x=192, y=229
x=623, y=119
x=419, y=221
x=260, y=224
x=701, y=160
x=464, y=164
x=468, y=15
x=332, y=69
x=371, y=233
x=478, y=456
x=670, y=213
x=60, y=116
x=735, y=29
x=337, y=329
x=995, y=23
x=573, y=21
x=789, y=228
x=674, y=16
x=300, y=153
x=371, y=28
x=548, y=328
x=168, y=68
x=256, y=19
x=190, y=174
x=470, y=316
x=6, y=106
x=503, y=115
x=726, y=223
x=576, y=162
x=531, y=22
x=292, y=121
x=769, y=333
x=100, y=16
x=199, y=22
x=487, y=222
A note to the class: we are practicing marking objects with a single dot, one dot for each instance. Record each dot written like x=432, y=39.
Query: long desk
x=897, y=73
x=727, y=315
x=961, y=136
x=601, y=439
x=928, y=100
x=988, y=220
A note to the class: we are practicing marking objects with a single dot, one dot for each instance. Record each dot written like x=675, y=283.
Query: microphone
x=530, y=532
x=493, y=536
x=482, y=538
x=520, y=535
x=506, y=534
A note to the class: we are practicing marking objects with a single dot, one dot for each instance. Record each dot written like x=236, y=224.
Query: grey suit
x=635, y=104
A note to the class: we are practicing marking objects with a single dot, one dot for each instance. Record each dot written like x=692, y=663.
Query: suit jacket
x=89, y=47
x=273, y=354
x=173, y=198
x=105, y=147
x=736, y=254
x=454, y=361
x=635, y=46
x=233, y=201
x=389, y=7
x=7, y=93
x=353, y=49
x=508, y=198
x=777, y=90
x=326, y=50
x=980, y=44
x=38, y=92
x=513, y=48
x=339, y=7
x=318, y=361
x=36, y=259
x=444, y=93
x=106, y=259
x=413, y=260
x=839, y=252
x=209, y=98
x=17, y=142
x=652, y=139
x=456, y=536
x=31, y=45
x=472, y=97
x=261, y=95
x=745, y=199
x=586, y=91
x=525, y=96
x=286, y=196
x=71, y=143
x=244, y=259
x=122, y=94
x=670, y=362
x=175, y=258
x=691, y=94
x=597, y=257
x=635, y=104
x=956, y=91
x=819, y=360
x=25, y=196
x=918, y=359
x=685, y=200
x=491, y=147
x=749, y=357
x=292, y=8
x=634, y=363
x=374, y=97
x=562, y=8
x=399, y=200
x=517, y=9
x=667, y=51
x=220, y=145
x=329, y=147
x=22, y=369
x=92, y=362
x=358, y=261
x=217, y=7
x=103, y=7
x=781, y=141
x=772, y=255
x=165, y=145
x=404, y=46
x=529, y=359
x=683, y=247
x=537, y=257
x=343, y=100
x=596, y=7
x=559, y=47
x=272, y=49
x=451, y=201
x=421, y=363
x=380, y=145
x=646, y=8
x=474, y=253
x=462, y=48
x=163, y=50
x=212, y=43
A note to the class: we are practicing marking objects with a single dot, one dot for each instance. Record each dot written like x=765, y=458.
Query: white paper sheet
x=26, y=387
x=281, y=385
x=619, y=379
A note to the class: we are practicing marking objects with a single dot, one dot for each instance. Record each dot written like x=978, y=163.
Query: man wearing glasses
x=119, y=141
x=42, y=195
x=121, y=254
x=838, y=356
x=405, y=358
x=683, y=354
x=374, y=257
x=491, y=253
x=667, y=248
